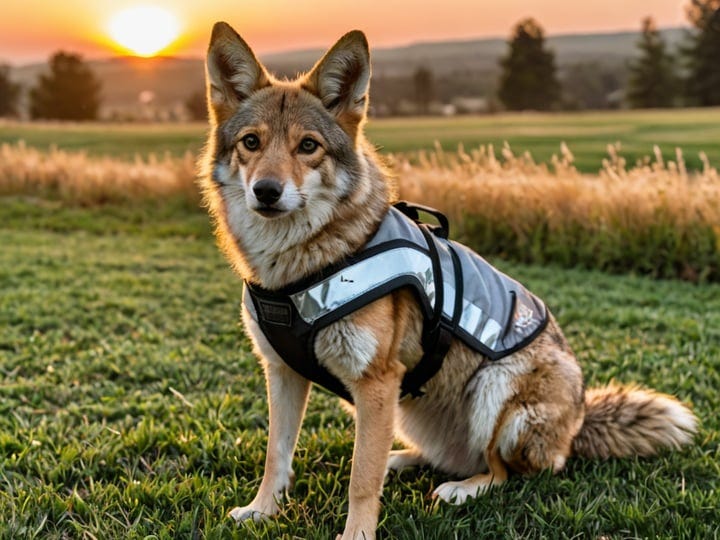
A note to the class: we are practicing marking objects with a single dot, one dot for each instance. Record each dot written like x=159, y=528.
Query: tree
x=424, y=84
x=591, y=85
x=703, y=66
x=71, y=91
x=652, y=76
x=529, y=78
x=196, y=106
x=9, y=92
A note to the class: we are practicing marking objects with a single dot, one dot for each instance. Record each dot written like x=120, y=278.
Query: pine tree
x=529, y=78
x=71, y=91
x=424, y=85
x=9, y=93
x=196, y=106
x=703, y=53
x=652, y=77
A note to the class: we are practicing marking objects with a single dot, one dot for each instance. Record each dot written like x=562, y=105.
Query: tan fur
x=477, y=419
x=622, y=421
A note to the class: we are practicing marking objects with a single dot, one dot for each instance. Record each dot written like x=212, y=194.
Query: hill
x=136, y=86
x=482, y=54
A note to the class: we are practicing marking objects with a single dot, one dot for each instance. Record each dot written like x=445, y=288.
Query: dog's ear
x=232, y=72
x=341, y=79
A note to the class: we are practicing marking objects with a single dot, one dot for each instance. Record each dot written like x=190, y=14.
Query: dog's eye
x=251, y=142
x=308, y=146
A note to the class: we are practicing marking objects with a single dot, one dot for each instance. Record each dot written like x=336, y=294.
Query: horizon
x=262, y=55
x=279, y=27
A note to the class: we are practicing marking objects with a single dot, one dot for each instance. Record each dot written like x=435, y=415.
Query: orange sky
x=32, y=29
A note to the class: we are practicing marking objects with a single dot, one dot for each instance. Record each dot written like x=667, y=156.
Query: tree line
x=69, y=91
x=528, y=78
x=657, y=77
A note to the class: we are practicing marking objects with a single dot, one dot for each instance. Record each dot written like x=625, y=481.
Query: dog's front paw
x=254, y=512
x=457, y=492
x=359, y=534
x=267, y=500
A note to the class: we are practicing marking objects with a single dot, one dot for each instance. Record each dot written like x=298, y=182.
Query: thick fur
x=478, y=420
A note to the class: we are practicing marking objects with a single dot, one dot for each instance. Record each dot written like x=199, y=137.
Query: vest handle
x=412, y=210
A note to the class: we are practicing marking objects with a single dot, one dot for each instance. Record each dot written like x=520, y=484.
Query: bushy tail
x=623, y=421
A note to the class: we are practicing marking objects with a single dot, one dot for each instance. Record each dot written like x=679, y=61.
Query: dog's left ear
x=341, y=79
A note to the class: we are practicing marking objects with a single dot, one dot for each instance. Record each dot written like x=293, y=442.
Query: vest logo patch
x=275, y=313
x=524, y=318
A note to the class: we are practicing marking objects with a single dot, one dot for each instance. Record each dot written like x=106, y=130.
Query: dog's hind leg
x=459, y=492
x=287, y=399
x=401, y=459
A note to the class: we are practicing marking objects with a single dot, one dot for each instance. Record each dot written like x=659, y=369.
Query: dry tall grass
x=654, y=217
x=78, y=179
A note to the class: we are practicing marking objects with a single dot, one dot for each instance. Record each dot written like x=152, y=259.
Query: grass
x=76, y=178
x=124, y=141
x=587, y=133
x=131, y=406
x=655, y=218
x=130, y=403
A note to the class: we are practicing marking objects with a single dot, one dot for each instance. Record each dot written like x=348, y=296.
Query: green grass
x=131, y=406
x=100, y=139
x=587, y=134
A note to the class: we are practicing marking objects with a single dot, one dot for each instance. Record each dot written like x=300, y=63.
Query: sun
x=144, y=30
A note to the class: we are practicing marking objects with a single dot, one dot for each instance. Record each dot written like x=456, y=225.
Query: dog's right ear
x=232, y=72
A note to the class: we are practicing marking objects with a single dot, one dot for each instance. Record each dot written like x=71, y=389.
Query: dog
x=294, y=188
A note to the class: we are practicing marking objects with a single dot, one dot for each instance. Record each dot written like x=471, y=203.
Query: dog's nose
x=267, y=191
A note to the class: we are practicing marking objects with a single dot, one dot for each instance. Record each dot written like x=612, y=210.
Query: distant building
x=617, y=99
x=470, y=105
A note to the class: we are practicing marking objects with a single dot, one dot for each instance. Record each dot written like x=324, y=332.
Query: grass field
x=118, y=140
x=131, y=407
x=587, y=134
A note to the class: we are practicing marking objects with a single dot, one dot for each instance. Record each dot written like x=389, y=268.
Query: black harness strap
x=437, y=337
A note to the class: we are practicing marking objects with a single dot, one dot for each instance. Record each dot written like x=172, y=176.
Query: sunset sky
x=32, y=29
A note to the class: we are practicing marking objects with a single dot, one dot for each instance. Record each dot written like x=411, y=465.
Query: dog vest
x=460, y=294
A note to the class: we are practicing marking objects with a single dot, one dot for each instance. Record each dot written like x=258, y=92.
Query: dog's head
x=286, y=146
